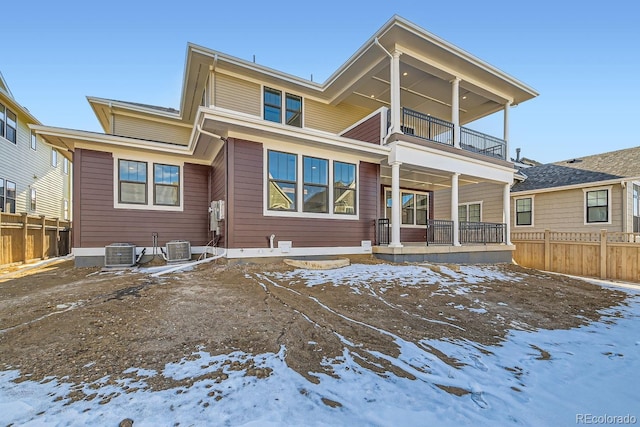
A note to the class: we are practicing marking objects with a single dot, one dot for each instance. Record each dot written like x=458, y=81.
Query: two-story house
x=34, y=176
x=378, y=158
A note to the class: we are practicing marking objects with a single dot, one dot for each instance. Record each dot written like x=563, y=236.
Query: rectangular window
x=3, y=119
x=294, y=110
x=132, y=182
x=598, y=206
x=10, y=198
x=282, y=169
x=2, y=206
x=32, y=200
x=54, y=158
x=272, y=105
x=65, y=165
x=422, y=209
x=34, y=140
x=12, y=126
x=471, y=212
x=524, y=212
x=316, y=185
x=407, y=208
x=65, y=209
x=344, y=188
x=166, y=185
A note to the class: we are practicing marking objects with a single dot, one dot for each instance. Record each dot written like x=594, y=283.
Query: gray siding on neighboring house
x=249, y=228
x=565, y=211
x=367, y=131
x=99, y=223
x=29, y=168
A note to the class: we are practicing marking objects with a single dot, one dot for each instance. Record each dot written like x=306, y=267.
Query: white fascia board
x=412, y=154
x=133, y=107
x=574, y=186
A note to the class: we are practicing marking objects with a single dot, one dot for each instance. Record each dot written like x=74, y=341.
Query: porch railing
x=481, y=232
x=439, y=232
x=383, y=231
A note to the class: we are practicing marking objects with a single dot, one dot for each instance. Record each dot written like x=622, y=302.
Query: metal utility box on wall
x=178, y=250
x=120, y=255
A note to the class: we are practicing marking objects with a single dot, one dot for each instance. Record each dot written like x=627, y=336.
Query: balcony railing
x=437, y=130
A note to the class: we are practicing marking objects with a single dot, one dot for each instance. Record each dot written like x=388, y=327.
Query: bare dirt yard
x=82, y=324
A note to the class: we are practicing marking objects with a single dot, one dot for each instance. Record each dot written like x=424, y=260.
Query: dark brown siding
x=249, y=228
x=101, y=224
x=219, y=186
x=367, y=131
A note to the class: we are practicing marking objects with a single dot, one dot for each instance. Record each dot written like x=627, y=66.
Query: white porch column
x=454, y=209
x=455, y=111
x=506, y=130
x=395, y=92
x=506, y=212
x=396, y=205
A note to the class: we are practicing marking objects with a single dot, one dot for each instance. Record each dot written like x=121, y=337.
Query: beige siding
x=237, y=95
x=330, y=118
x=489, y=194
x=29, y=168
x=136, y=127
x=564, y=211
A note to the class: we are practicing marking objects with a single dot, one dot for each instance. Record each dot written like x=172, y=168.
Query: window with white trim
x=54, y=158
x=471, y=212
x=8, y=124
x=7, y=196
x=65, y=165
x=166, y=185
x=597, y=206
x=132, y=182
x=32, y=199
x=65, y=209
x=2, y=196
x=415, y=207
x=273, y=107
x=298, y=183
x=524, y=211
x=34, y=140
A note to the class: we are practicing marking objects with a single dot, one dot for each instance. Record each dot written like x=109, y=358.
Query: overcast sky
x=583, y=58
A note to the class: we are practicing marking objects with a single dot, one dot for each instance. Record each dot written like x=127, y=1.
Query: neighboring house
x=586, y=194
x=34, y=176
x=379, y=154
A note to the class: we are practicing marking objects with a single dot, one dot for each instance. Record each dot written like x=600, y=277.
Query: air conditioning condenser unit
x=178, y=250
x=120, y=255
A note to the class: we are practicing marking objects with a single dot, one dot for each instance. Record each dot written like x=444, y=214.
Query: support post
x=547, y=250
x=505, y=135
x=455, y=111
x=454, y=209
x=396, y=205
x=395, y=92
x=25, y=235
x=506, y=212
x=603, y=253
x=43, y=236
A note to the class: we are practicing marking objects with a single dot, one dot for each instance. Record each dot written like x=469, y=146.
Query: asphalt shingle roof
x=599, y=167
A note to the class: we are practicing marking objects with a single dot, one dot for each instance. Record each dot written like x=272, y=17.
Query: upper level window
x=344, y=188
x=132, y=182
x=166, y=183
x=282, y=181
x=65, y=165
x=54, y=158
x=32, y=200
x=65, y=209
x=273, y=107
x=8, y=124
x=524, y=211
x=316, y=185
x=597, y=206
x=471, y=212
x=34, y=140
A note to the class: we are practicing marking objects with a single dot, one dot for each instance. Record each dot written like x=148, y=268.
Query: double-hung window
x=32, y=199
x=415, y=207
x=316, y=185
x=8, y=124
x=166, y=185
x=597, y=206
x=273, y=107
x=524, y=211
x=471, y=212
x=282, y=181
x=132, y=182
x=7, y=196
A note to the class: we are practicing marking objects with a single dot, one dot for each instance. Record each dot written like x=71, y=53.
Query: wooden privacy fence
x=24, y=237
x=607, y=255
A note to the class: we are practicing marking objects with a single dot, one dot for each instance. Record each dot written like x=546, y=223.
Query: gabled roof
x=5, y=93
x=584, y=170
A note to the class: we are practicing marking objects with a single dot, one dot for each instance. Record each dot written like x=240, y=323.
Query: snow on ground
x=559, y=377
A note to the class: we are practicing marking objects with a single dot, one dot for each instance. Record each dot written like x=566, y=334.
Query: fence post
x=603, y=253
x=44, y=235
x=547, y=250
x=1, y=242
x=25, y=236
x=57, y=249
